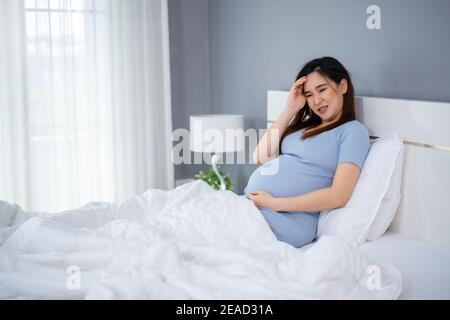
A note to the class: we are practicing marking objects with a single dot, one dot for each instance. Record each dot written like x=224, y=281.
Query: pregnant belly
x=288, y=176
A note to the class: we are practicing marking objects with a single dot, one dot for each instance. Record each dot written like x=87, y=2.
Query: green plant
x=213, y=180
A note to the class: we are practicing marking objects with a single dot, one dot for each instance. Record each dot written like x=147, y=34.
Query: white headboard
x=424, y=211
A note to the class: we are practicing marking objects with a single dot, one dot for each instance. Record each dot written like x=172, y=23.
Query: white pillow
x=391, y=200
x=353, y=221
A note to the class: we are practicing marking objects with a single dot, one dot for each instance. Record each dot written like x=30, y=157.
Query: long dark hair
x=332, y=69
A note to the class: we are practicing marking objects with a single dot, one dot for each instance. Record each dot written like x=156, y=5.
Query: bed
x=193, y=242
x=418, y=240
x=424, y=267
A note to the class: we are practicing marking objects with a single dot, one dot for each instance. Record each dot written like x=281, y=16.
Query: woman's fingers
x=257, y=193
x=299, y=83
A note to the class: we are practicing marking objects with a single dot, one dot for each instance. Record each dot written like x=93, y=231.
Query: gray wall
x=189, y=58
x=257, y=45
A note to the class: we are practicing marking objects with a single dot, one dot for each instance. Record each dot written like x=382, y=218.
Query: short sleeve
x=354, y=144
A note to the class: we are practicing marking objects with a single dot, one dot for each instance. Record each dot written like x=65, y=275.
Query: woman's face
x=321, y=92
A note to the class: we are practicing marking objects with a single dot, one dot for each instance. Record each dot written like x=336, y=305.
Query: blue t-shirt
x=307, y=165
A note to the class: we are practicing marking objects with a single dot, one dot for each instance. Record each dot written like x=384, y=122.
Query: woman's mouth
x=323, y=109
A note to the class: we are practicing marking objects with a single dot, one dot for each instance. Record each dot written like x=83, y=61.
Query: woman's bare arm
x=267, y=148
x=336, y=196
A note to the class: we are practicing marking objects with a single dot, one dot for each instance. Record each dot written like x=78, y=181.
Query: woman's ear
x=343, y=86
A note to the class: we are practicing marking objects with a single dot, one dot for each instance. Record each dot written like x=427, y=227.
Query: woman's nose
x=317, y=100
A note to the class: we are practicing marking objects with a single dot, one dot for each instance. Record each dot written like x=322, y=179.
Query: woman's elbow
x=341, y=201
x=255, y=158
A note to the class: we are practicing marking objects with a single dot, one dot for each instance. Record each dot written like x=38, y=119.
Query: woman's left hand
x=262, y=199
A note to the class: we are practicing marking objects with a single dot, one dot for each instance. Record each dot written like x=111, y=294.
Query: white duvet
x=187, y=243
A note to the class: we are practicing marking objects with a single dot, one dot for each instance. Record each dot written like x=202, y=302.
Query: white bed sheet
x=187, y=243
x=425, y=268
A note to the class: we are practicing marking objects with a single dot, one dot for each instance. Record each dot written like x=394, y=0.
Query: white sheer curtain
x=85, y=110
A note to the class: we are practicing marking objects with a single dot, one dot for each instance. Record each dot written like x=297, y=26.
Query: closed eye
x=311, y=94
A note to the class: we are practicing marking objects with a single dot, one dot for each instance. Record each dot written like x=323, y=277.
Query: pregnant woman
x=312, y=156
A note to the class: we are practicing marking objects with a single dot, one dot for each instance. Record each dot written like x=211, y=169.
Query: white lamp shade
x=217, y=133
